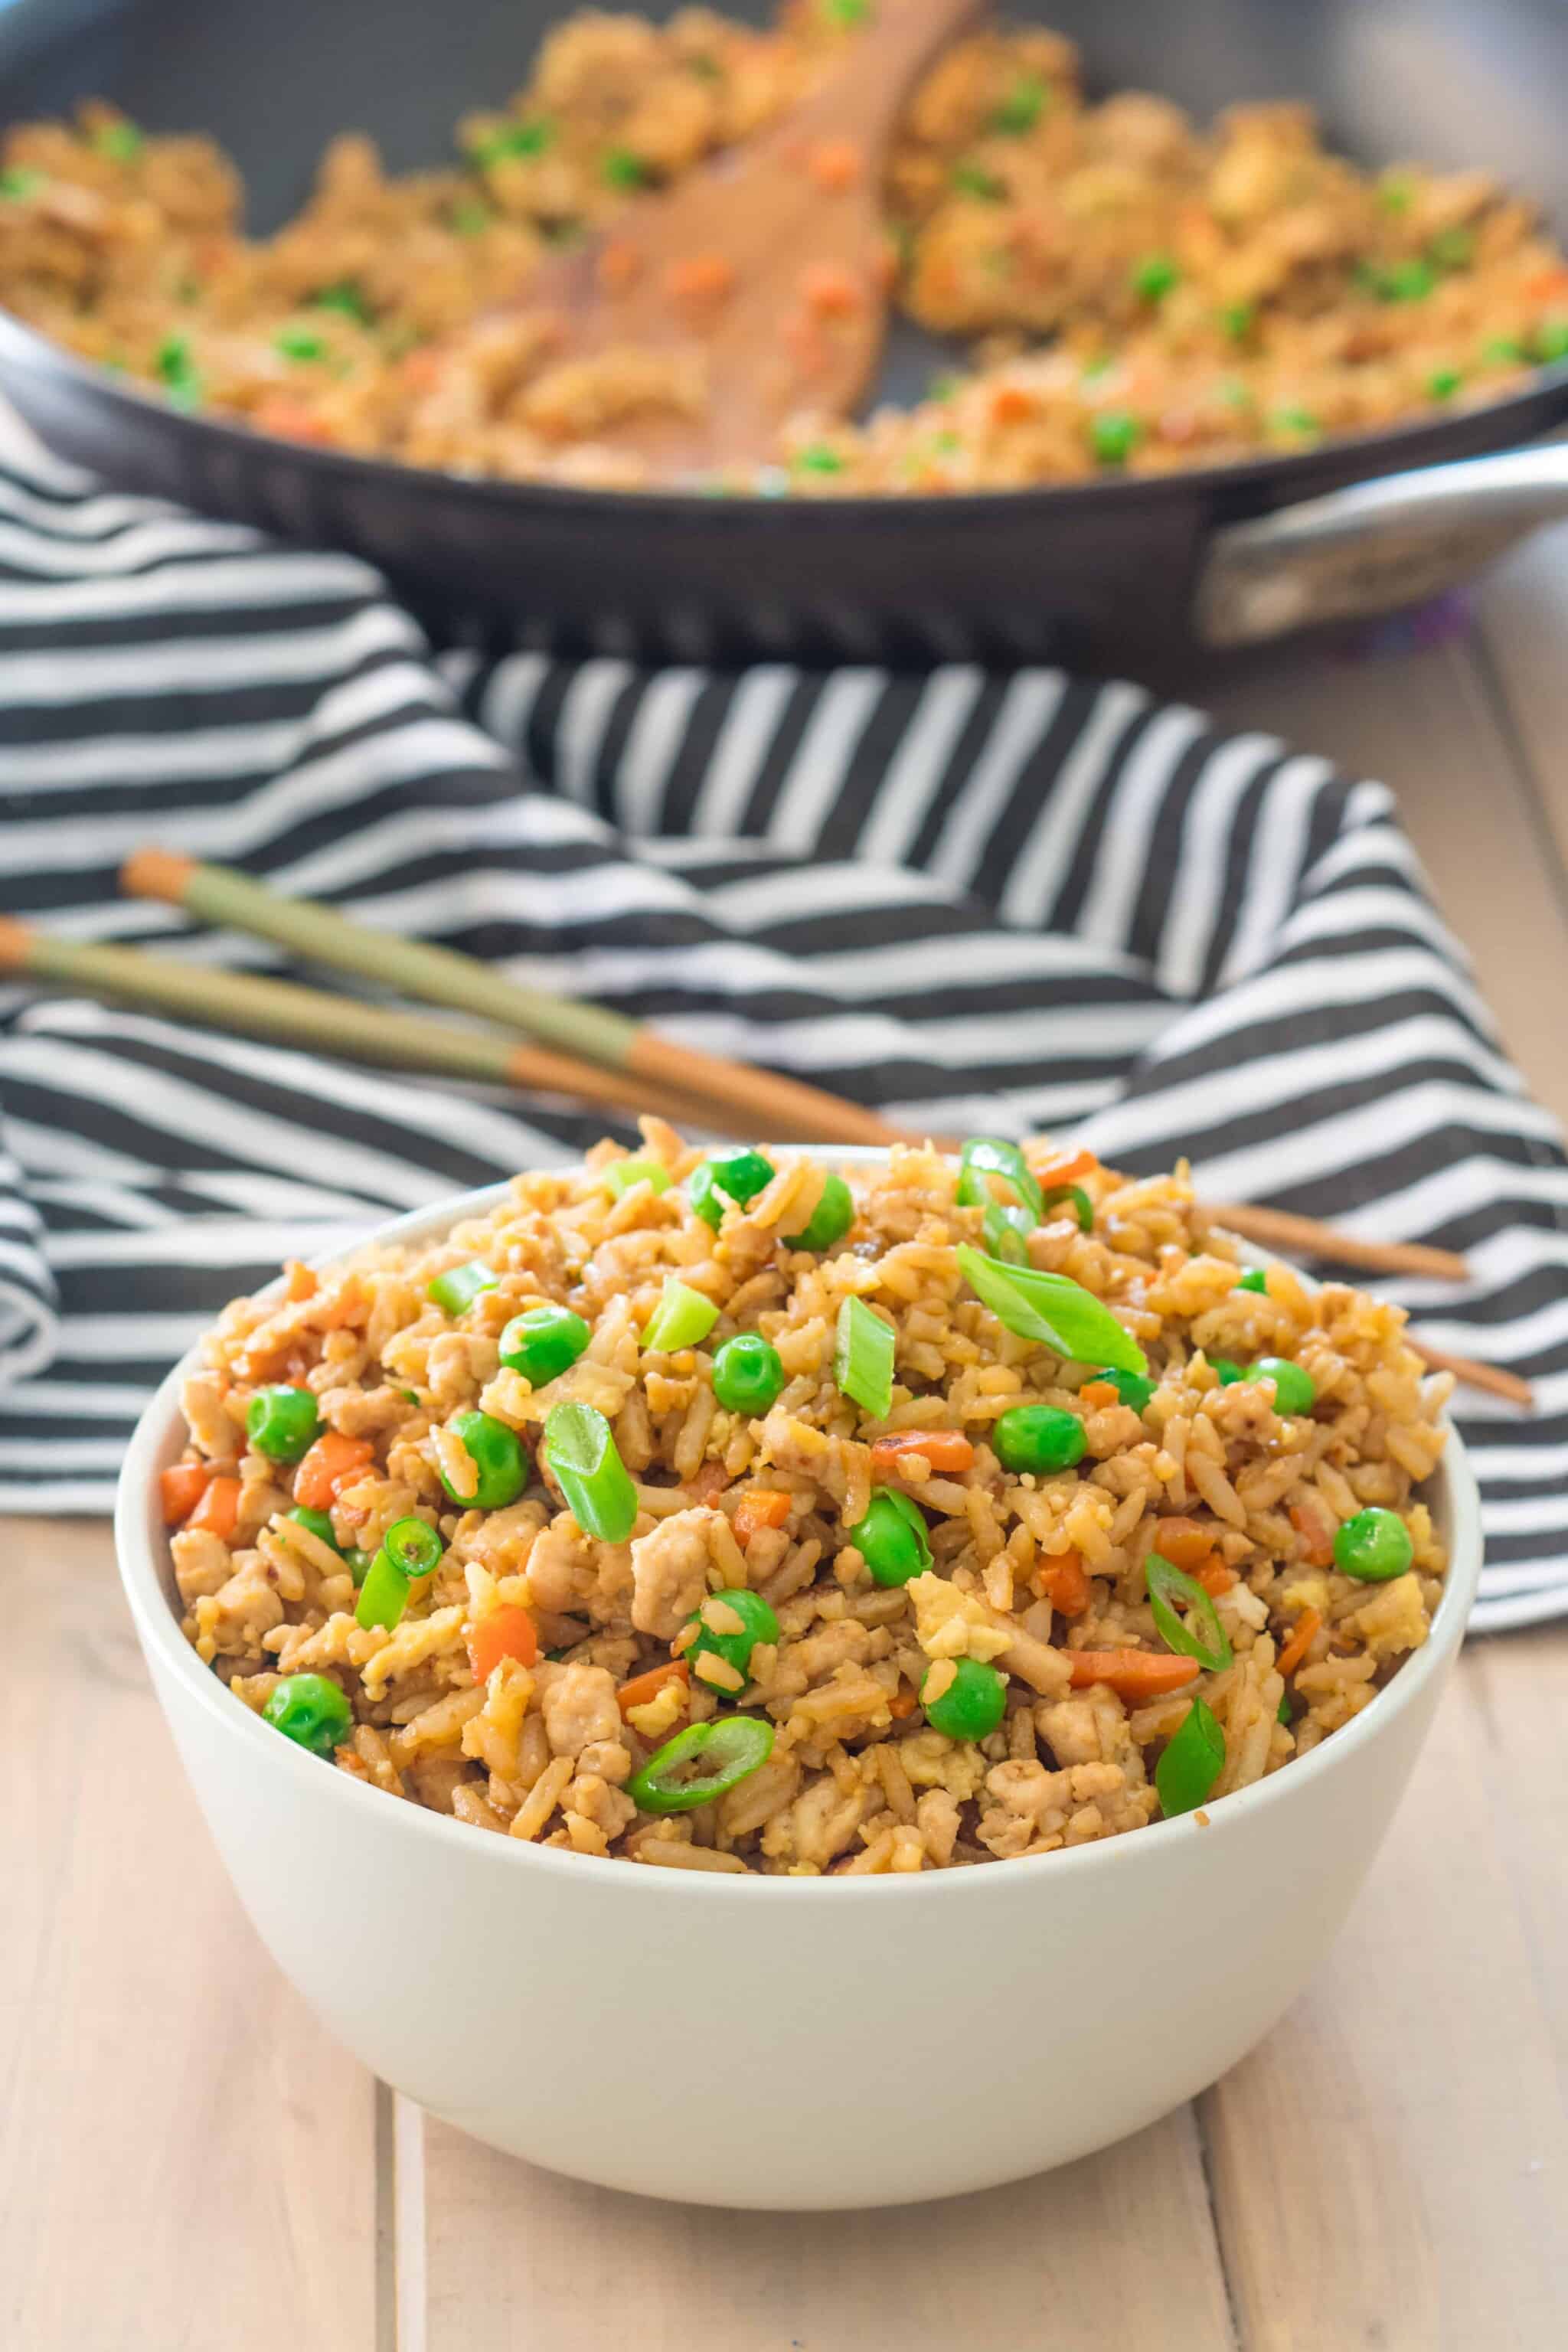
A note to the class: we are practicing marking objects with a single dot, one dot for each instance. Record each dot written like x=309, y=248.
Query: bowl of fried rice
x=558, y=1601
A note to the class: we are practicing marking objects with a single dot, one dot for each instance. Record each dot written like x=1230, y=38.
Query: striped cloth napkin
x=980, y=902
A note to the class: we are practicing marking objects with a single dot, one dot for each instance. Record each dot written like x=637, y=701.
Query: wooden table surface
x=187, y=2161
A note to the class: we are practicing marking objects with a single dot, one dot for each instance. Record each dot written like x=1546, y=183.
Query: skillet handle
x=1375, y=546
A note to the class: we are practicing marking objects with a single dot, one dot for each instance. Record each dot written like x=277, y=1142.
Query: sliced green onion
x=516, y=139
x=413, y=1546
x=460, y=1286
x=622, y=1174
x=1167, y=1583
x=682, y=1316
x=178, y=371
x=581, y=1454
x=298, y=343
x=621, y=167
x=471, y=219
x=974, y=180
x=347, y=295
x=384, y=1595
x=1022, y=106
x=1192, y=1763
x=1004, y=1230
x=725, y=1750
x=19, y=180
x=1282, y=1712
x=120, y=141
x=1083, y=1207
x=863, y=1358
x=1054, y=1309
x=993, y=1155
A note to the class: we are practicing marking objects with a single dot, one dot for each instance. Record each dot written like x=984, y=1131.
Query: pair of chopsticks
x=577, y=1050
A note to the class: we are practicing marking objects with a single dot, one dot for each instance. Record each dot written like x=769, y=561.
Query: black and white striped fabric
x=984, y=902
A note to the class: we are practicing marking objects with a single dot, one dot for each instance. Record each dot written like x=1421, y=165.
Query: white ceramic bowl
x=773, y=2042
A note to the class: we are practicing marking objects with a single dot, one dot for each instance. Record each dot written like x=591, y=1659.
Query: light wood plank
x=185, y=2159
x=1391, y=2167
x=1425, y=724
x=1118, y=2247
x=1523, y=608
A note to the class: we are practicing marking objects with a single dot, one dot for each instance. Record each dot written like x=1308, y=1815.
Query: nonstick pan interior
x=1093, y=571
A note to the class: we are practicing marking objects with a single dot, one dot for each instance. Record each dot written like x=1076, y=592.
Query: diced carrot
x=903, y=1706
x=1097, y=1393
x=642, y=1688
x=181, y=1488
x=1063, y=1581
x=702, y=277
x=1183, y=1542
x=834, y=165
x=1300, y=1642
x=422, y=368
x=294, y=420
x=329, y=1464
x=760, y=1506
x=831, y=292
x=944, y=1449
x=217, y=1513
x=619, y=266
x=506, y=1633
x=1132, y=1674
x=1311, y=1523
x=1010, y=404
x=1546, y=285
x=1067, y=1171
x=1214, y=1576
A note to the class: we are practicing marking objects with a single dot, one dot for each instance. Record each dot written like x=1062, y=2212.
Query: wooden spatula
x=767, y=269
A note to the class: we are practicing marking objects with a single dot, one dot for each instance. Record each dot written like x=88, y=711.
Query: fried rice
x=1138, y=292
x=532, y=1683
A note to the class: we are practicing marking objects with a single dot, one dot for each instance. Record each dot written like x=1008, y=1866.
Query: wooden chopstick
x=322, y=934
x=281, y=1010
x=1474, y=1375
x=1305, y=1237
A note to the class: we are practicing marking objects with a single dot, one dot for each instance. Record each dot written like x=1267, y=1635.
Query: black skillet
x=1106, y=571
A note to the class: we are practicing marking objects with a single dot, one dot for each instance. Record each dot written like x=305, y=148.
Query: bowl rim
x=139, y=1533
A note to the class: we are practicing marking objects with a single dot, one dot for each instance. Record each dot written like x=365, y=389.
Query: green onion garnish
x=1452, y=249
x=179, y=372
x=729, y=1749
x=347, y=295
x=622, y=1174
x=384, y=1595
x=1004, y=1231
x=846, y=13
x=299, y=343
x=460, y=1286
x=621, y=168
x=1023, y=106
x=1167, y=1583
x=1395, y=191
x=1156, y=276
x=471, y=219
x=682, y=1316
x=516, y=139
x=974, y=180
x=413, y=1546
x=1054, y=1309
x=1237, y=319
x=819, y=459
x=1551, y=340
x=18, y=182
x=1192, y=1763
x=120, y=141
x=993, y=1155
x=1083, y=1207
x=582, y=1455
x=863, y=1358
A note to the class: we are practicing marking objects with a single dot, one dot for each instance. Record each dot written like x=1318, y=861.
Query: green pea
x=747, y=1373
x=1156, y=276
x=972, y=1706
x=892, y=1539
x=1113, y=435
x=737, y=1176
x=1130, y=1387
x=320, y=1524
x=496, y=1454
x=1442, y=383
x=830, y=1221
x=309, y=1710
x=1294, y=1390
x=281, y=1422
x=542, y=1343
x=1254, y=1278
x=1227, y=1372
x=1373, y=1547
x=758, y=1624
x=1038, y=1437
